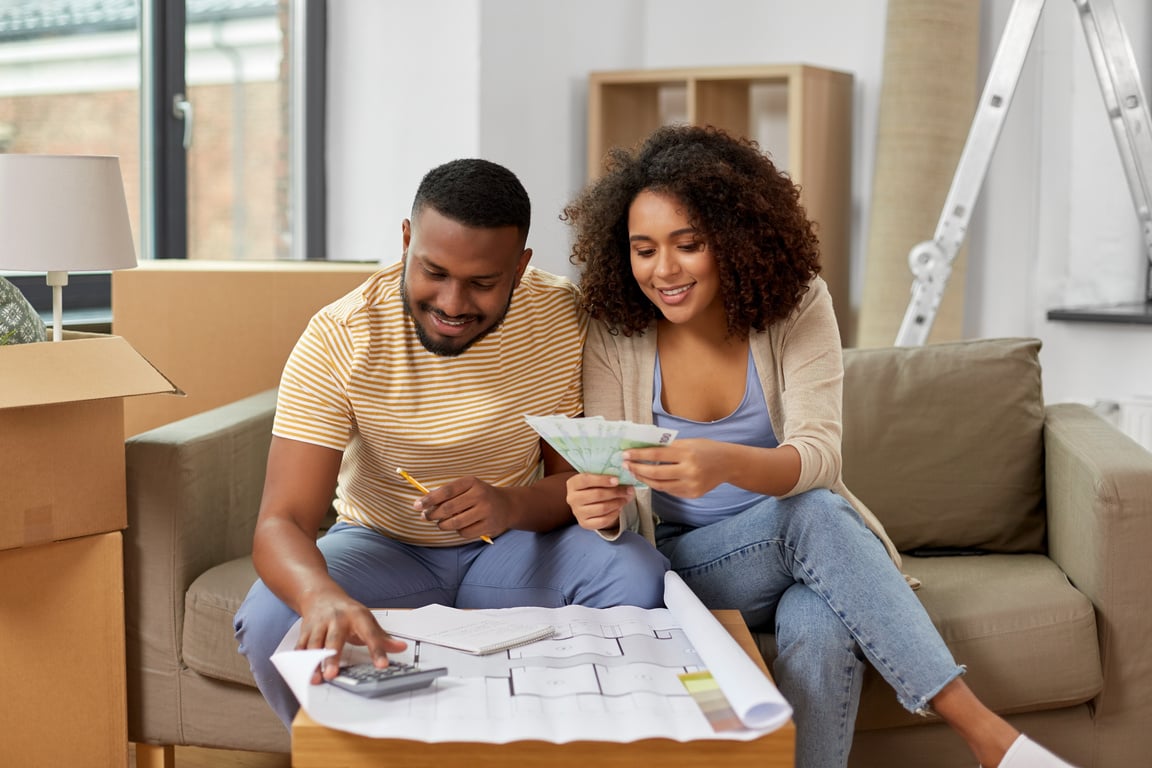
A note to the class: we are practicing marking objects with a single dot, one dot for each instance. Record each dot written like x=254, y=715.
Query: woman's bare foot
x=987, y=734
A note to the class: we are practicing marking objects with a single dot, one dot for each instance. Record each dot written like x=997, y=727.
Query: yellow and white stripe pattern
x=359, y=381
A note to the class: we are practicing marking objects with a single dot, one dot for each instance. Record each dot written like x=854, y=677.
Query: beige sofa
x=951, y=445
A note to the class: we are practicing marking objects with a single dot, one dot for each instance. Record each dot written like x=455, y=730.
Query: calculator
x=368, y=680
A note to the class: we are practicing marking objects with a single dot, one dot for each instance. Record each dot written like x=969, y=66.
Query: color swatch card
x=593, y=444
x=709, y=696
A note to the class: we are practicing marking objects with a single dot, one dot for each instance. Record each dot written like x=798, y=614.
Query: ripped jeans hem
x=923, y=705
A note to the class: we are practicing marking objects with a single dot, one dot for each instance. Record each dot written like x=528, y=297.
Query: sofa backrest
x=944, y=443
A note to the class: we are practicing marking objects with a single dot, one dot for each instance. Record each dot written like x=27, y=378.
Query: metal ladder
x=1124, y=98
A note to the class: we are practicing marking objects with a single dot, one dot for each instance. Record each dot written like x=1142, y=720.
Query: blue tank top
x=749, y=424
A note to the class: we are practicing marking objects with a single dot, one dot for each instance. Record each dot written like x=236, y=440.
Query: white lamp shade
x=63, y=213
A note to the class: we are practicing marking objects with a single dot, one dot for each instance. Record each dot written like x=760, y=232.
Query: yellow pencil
x=419, y=486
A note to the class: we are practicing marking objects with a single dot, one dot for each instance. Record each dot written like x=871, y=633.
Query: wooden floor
x=197, y=757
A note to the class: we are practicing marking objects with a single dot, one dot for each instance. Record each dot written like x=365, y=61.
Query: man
x=430, y=366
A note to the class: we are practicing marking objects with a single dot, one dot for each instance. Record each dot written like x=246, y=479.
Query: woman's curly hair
x=746, y=210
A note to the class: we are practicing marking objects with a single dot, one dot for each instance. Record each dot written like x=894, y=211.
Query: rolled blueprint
x=753, y=697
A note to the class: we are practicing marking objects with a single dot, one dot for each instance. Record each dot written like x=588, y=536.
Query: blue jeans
x=810, y=564
x=567, y=566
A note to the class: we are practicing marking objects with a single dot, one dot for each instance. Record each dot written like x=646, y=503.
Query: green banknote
x=593, y=444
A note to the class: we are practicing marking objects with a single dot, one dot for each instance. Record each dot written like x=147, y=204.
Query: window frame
x=164, y=170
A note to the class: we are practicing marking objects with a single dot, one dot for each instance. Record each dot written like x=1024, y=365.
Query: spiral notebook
x=468, y=631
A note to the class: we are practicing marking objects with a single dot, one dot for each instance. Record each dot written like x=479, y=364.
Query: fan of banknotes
x=593, y=444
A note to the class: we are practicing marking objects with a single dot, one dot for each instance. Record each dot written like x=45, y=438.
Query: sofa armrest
x=1099, y=498
x=194, y=489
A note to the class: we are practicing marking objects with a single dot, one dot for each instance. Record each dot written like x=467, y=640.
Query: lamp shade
x=63, y=213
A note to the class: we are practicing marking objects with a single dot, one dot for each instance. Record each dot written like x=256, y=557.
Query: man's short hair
x=476, y=193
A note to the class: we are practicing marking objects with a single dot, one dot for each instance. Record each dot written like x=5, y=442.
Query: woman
x=701, y=267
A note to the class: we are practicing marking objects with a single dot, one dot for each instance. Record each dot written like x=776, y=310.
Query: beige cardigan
x=801, y=368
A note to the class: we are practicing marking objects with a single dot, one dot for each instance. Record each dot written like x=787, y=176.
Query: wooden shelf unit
x=801, y=115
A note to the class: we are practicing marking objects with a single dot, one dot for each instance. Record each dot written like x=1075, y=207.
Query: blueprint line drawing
x=609, y=674
x=582, y=657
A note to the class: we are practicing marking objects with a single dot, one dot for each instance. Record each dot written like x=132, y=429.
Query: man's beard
x=446, y=347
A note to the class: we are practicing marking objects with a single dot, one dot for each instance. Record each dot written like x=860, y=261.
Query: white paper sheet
x=609, y=674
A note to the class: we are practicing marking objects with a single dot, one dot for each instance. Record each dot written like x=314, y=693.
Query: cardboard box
x=62, y=435
x=62, y=639
x=222, y=329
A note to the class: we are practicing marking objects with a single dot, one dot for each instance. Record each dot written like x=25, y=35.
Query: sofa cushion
x=209, y=645
x=1026, y=635
x=944, y=443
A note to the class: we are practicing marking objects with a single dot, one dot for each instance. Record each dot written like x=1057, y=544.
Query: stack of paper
x=593, y=444
x=468, y=631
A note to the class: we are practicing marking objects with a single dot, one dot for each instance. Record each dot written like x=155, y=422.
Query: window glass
x=236, y=70
x=70, y=83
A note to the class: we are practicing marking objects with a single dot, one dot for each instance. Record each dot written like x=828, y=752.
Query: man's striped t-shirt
x=359, y=381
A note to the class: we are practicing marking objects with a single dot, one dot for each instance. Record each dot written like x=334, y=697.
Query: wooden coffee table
x=316, y=746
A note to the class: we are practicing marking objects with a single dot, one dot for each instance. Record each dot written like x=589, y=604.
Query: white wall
x=403, y=96
x=534, y=88
x=415, y=84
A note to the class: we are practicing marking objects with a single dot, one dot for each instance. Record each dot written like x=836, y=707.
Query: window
x=215, y=108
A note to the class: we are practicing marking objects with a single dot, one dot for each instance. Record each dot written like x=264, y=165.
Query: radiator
x=1134, y=418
